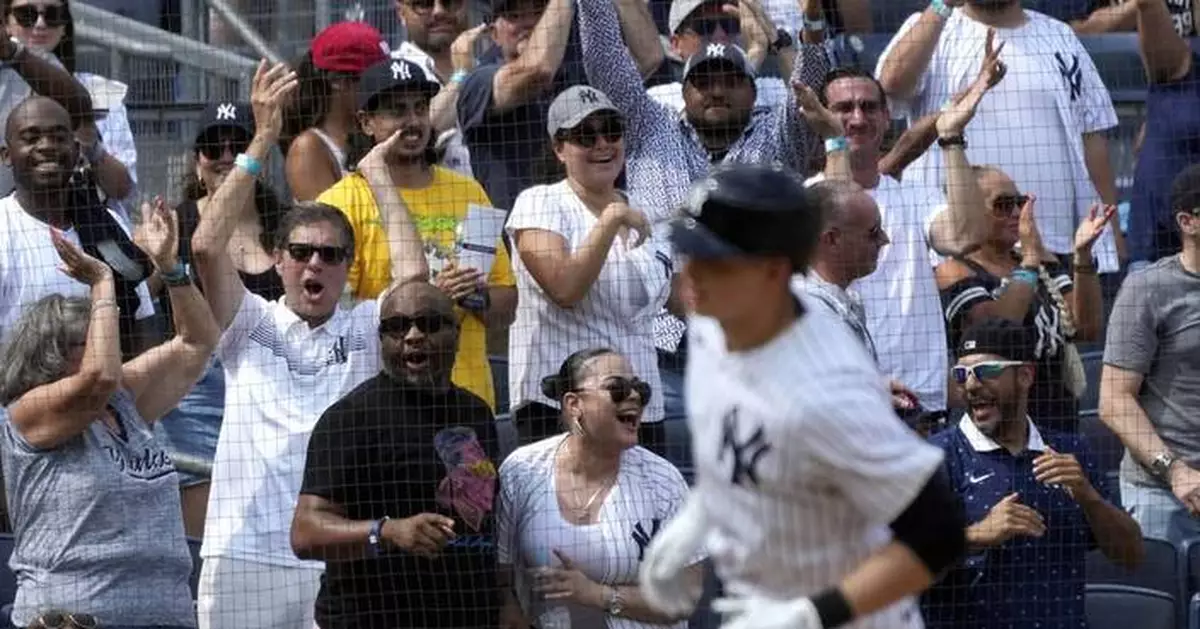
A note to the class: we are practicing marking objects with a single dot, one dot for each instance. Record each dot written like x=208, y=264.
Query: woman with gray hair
x=94, y=497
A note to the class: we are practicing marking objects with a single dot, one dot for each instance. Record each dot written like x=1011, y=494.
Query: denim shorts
x=190, y=431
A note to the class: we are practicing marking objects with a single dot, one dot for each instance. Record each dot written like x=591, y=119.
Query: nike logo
x=975, y=480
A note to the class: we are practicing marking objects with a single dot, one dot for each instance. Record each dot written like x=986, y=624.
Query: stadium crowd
x=323, y=408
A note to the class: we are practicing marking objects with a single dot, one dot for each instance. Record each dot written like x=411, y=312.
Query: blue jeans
x=193, y=427
x=1159, y=513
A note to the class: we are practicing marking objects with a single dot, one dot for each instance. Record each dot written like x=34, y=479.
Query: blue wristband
x=248, y=164
x=459, y=76
x=177, y=276
x=1027, y=276
x=839, y=143
x=939, y=7
x=375, y=537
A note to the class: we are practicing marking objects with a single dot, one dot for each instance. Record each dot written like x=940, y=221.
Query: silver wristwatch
x=1161, y=466
x=615, y=604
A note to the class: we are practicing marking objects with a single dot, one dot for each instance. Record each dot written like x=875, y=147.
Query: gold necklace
x=581, y=513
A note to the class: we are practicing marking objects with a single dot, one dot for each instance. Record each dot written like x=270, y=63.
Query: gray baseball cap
x=680, y=10
x=574, y=104
x=728, y=54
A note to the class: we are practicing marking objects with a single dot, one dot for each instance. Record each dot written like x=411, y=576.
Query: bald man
x=398, y=471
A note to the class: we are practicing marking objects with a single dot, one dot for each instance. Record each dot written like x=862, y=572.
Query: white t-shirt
x=29, y=265
x=801, y=462
x=617, y=312
x=901, y=299
x=280, y=376
x=529, y=525
x=1031, y=124
x=457, y=156
x=772, y=92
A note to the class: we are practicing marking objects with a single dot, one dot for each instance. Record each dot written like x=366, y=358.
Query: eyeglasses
x=27, y=15
x=215, y=149
x=59, y=620
x=425, y=6
x=986, y=370
x=1009, y=204
x=707, y=25
x=868, y=107
x=303, y=252
x=587, y=134
x=619, y=389
x=399, y=325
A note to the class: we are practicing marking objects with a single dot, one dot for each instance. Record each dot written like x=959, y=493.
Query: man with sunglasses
x=1150, y=383
x=400, y=471
x=1037, y=499
x=820, y=507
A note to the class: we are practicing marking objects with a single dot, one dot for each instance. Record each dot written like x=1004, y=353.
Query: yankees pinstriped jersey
x=800, y=459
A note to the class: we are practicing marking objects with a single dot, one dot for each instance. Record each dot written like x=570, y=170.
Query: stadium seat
x=1113, y=606
x=1119, y=62
x=499, y=366
x=1102, y=443
x=1161, y=571
x=1191, y=565
x=1092, y=363
x=194, y=581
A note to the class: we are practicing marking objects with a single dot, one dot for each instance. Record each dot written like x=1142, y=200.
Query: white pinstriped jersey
x=801, y=462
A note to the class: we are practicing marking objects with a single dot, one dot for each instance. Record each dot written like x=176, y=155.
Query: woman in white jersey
x=586, y=273
x=320, y=123
x=577, y=510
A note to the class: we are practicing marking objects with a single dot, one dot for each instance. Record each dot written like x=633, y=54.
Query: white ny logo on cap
x=968, y=346
x=715, y=50
x=226, y=111
x=400, y=71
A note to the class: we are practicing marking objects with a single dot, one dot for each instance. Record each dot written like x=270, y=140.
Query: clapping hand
x=272, y=87
x=80, y=266
x=1090, y=228
x=822, y=121
x=953, y=120
x=158, y=234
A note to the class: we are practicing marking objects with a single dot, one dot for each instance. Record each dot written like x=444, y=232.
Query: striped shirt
x=843, y=302
x=800, y=460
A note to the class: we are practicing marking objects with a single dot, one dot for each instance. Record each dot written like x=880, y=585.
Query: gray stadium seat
x=1160, y=571
x=1112, y=606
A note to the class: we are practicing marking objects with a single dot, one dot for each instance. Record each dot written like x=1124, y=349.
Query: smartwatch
x=375, y=537
x=783, y=39
x=1161, y=465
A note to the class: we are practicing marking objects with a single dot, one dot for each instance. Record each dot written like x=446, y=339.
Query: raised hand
x=458, y=282
x=1090, y=228
x=80, y=266
x=272, y=87
x=822, y=121
x=376, y=160
x=953, y=120
x=462, y=51
x=158, y=234
x=1028, y=234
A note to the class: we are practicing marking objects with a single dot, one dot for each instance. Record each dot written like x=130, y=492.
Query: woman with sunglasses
x=192, y=428
x=320, y=123
x=94, y=494
x=588, y=270
x=577, y=510
x=1011, y=276
x=107, y=144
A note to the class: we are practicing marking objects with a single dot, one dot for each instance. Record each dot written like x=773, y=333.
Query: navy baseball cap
x=714, y=53
x=232, y=114
x=1008, y=339
x=749, y=210
x=390, y=74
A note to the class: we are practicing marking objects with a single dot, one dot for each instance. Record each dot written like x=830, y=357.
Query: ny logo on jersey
x=642, y=539
x=715, y=50
x=746, y=454
x=589, y=96
x=1072, y=74
x=338, y=354
x=400, y=71
x=226, y=111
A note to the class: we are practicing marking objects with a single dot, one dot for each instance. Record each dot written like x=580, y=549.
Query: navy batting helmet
x=750, y=210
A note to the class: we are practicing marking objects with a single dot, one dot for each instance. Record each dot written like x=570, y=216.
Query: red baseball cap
x=348, y=47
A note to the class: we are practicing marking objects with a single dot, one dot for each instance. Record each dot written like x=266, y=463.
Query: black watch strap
x=375, y=537
x=954, y=140
x=783, y=39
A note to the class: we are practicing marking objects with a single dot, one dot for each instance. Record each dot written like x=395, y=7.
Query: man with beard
x=42, y=154
x=1051, y=88
x=394, y=99
x=1037, y=499
x=399, y=472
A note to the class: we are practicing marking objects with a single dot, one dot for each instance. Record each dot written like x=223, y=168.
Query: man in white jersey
x=818, y=506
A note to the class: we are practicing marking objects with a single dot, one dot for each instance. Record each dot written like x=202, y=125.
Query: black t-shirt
x=390, y=450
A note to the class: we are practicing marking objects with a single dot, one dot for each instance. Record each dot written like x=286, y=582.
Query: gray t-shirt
x=97, y=525
x=1154, y=330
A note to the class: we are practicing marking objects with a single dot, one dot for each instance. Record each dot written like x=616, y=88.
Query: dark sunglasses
x=707, y=25
x=399, y=325
x=1009, y=204
x=587, y=134
x=982, y=371
x=58, y=620
x=214, y=149
x=619, y=389
x=424, y=6
x=27, y=15
x=303, y=252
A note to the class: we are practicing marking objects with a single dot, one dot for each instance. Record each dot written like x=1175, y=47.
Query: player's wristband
x=1028, y=276
x=248, y=164
x=839, y=143
x=832, y=608
x=939, y=7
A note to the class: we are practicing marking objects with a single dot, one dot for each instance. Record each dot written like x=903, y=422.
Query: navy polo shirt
x=1028, y=582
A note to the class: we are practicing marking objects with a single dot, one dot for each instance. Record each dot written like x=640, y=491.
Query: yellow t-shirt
x=437, y=210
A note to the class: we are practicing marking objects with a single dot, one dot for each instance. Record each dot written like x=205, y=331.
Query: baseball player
x=819, y=507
